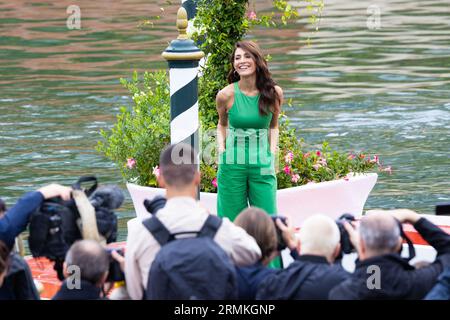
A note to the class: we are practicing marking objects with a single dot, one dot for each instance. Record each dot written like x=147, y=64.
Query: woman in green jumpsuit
x=247, y=134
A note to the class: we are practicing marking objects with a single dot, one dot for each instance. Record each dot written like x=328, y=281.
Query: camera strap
x=84, y=179
x=411, y=250
x=89, y=229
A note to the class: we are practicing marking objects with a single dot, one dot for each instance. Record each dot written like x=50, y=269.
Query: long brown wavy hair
x=264, y=82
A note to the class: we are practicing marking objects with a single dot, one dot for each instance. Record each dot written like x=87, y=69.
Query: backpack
x=184, y=267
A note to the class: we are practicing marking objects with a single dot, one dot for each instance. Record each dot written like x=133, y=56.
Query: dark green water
x=384, y=91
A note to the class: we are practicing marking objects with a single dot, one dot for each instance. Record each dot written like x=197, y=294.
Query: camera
x=281, y=244
x=346, y=245
x=152, y=206
x=115, y=273
x=55, y=225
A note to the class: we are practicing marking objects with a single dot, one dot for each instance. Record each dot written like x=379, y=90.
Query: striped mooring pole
x=183, y=56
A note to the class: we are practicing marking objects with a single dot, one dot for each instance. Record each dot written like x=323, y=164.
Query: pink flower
x=322, y=161
x=214, y=182
x=131, y=163
x=387, y=169
x=252, y=15
x=375, y=160
x=351, y=157
x=156, y=171
x=317, y=166
x=306, y=155
x=289, y=157
x=318, y=153
x=287, y=170
x=295, y=178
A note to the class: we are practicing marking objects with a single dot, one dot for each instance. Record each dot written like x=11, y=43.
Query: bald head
x=319, y=235
x=380, y=233
x=91, y=258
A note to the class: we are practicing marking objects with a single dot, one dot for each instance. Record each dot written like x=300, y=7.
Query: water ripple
x=385, y=91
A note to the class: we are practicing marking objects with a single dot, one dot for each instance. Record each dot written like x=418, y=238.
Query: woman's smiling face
x=244, y=64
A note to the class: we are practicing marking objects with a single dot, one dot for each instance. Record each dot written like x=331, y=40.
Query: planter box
x=332, y=198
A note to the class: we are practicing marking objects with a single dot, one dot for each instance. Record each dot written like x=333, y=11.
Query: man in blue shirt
x=16, y=219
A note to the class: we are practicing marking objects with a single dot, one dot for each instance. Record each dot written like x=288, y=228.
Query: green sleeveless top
x=248, y=135
x=244, y=113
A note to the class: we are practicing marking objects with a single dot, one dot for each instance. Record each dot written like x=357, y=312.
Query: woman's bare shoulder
x=226, y=95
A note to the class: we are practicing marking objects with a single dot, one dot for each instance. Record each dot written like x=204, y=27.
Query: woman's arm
x=221, y=105
x=274, y=132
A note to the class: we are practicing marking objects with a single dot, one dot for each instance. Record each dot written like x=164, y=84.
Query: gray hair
x=91, y=258
x=380, y=233
x=319, y=235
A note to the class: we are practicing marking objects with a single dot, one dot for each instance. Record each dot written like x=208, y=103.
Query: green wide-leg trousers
x=241, y=185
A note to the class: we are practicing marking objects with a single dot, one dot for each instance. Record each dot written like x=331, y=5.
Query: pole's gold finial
x=182, y=23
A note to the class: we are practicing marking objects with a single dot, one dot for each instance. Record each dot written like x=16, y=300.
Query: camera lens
x=346, y=244
x=281, y=245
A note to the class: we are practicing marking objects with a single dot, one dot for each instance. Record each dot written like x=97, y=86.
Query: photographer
x=257, y=223
x=181, y=213
x=88, y=260
x=18, y=282
x=378, y=243
x=16, y=219
x=312, y=275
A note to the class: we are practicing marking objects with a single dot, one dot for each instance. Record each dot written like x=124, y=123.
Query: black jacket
x=249, y=278
x=87, y=291
x=441, y=291
x=18, y=284
x=310, y=277
x=398, y=279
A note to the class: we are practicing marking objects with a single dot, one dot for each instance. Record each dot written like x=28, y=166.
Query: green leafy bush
x=140, y=133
